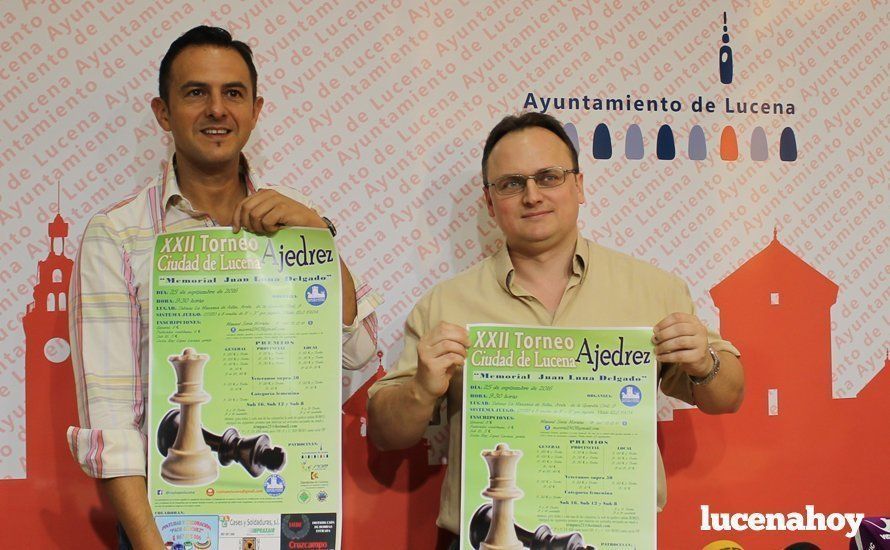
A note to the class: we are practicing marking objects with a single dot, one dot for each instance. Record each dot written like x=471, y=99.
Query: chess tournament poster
x=564, y=420
x=244, y=414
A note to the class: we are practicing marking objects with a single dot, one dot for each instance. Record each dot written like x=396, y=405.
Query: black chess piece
x=256, y=454
x=542, y=539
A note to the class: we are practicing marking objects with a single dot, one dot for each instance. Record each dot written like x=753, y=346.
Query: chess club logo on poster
x=630, y=395
x=316, y=295
x=274, y=485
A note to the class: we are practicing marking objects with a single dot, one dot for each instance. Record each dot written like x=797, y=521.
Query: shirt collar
x=173, y=197
x=504, y=270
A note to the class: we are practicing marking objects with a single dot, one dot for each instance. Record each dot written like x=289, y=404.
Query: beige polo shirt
x=607, y=289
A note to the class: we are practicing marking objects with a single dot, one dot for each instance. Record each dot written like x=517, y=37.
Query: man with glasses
x=546, y=275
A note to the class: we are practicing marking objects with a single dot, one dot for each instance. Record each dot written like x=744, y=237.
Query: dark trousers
x=123, y=542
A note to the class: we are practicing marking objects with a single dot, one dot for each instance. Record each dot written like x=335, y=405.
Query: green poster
x=244, y=407
x=559, y=444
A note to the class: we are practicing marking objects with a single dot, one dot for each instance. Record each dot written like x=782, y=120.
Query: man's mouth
x=535, y=214
x=215, y=131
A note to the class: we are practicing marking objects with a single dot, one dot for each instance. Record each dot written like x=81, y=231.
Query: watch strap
x=715, y=368
x=330, y=224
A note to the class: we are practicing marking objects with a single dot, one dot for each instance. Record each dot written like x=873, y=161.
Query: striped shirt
x=109, y=314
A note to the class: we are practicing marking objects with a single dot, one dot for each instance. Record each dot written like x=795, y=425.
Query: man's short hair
x=203, y=36
x=514, y=123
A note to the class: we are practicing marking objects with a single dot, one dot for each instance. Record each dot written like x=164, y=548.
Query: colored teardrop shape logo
x=698, y=146
x=759, y=148
x=633, y=143
x=665, y=144
x=572, y=132
x=729, y=145
x=602, y=142
x=788, y=146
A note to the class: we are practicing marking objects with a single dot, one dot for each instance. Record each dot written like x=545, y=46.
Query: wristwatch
x=712, y=374
x=330, y=225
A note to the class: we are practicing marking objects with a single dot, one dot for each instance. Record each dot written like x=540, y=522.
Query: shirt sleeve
x=674, y=381
x=360, y=338
x=105, y=334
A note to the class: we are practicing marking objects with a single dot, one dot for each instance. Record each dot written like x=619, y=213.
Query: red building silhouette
x=56, y=503
x=800, y=446
x=777, y=309
x=390, y=499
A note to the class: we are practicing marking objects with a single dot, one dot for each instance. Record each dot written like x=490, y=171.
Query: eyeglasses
x=514, y=184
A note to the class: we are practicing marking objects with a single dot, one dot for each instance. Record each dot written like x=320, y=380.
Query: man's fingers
x=271, y=221
x=244, y=217
x=681, y=343
x=454, y=360
x=450, y=331
x=446, y=347
x=236, y=217
x=683, y=356
x=267, y=211
x=258, y=216
x=675, y=318
x=439, y=348
x=252, y=215
x=248, y=204
x=678, y=330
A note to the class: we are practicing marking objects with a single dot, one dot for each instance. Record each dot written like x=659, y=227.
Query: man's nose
x=532, y=193
x=215, y=105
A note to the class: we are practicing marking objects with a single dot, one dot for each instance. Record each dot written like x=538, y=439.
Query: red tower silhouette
x=777, y=454
x=56, y=503
x=791, y=443
x=772, y=300
x=390, y=499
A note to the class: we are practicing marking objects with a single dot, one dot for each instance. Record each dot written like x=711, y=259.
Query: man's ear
x=487, y=194
x=579, y=177
x=162, y=115
x=257, y=107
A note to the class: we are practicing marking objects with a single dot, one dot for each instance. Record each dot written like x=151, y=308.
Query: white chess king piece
x=190, y=460
x=502, y=491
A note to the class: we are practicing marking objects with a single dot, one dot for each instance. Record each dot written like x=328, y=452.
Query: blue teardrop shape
x=602, y=142
x=698, y=146
x=788, y=145
x=725, y=64
x=572, y=132
x=633, y=143
x=665, y=145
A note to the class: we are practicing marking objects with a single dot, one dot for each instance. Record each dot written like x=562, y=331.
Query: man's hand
x=682, y=339
x=439, y=353
x=267, y=211
x=399, y=414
